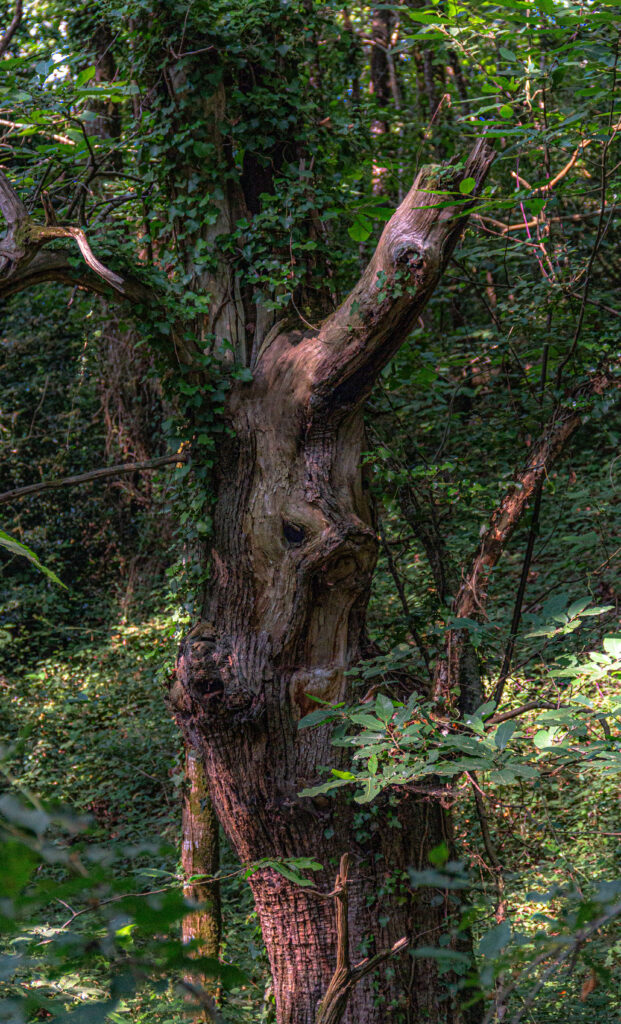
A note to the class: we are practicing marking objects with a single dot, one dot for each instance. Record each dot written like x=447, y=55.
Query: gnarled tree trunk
x=293, y=556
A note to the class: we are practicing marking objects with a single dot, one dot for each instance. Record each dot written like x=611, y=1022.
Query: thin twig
x=495, y=866
x=95, y=474
x=600, y=224
x=533, y=533
x=409, y=618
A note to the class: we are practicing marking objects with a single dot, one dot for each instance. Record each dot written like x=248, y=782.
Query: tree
x=276, y=379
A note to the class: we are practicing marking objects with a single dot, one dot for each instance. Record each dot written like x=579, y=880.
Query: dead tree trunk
x=294, y=550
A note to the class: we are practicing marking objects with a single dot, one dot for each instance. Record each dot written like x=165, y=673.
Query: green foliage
x=404, y=744
x=97, y=902
x=130, y=937
x=16, y=548
x=110, y=110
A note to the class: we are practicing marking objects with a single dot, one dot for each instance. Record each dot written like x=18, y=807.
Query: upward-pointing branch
x=336, y=365
x=508, y=514
x=329, y=370
x=410, y=258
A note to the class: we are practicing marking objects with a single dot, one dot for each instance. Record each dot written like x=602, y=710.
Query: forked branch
x=345, y=977
x=23, y=263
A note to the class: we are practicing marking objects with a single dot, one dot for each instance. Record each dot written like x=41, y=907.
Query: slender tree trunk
x=200, y=855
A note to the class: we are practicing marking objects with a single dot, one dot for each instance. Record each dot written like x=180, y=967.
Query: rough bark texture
x=293, y=555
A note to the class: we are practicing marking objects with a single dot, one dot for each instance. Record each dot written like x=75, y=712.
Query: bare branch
x=52, y=232
x=509, y=513
x=66, y=141
x=94, y=474
x=22, y=263
x=345, y=977
x=530, y=705
x=16, y=21
x=459, y=665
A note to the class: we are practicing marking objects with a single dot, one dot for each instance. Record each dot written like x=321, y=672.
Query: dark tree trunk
x=294, y=551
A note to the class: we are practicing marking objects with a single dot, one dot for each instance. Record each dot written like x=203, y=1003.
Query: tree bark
x=200, y=855
x=294, y=550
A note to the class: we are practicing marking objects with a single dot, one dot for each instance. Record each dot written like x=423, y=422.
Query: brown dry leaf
x=589, y=985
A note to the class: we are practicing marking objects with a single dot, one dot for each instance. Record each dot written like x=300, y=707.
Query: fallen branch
x=94, y=474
